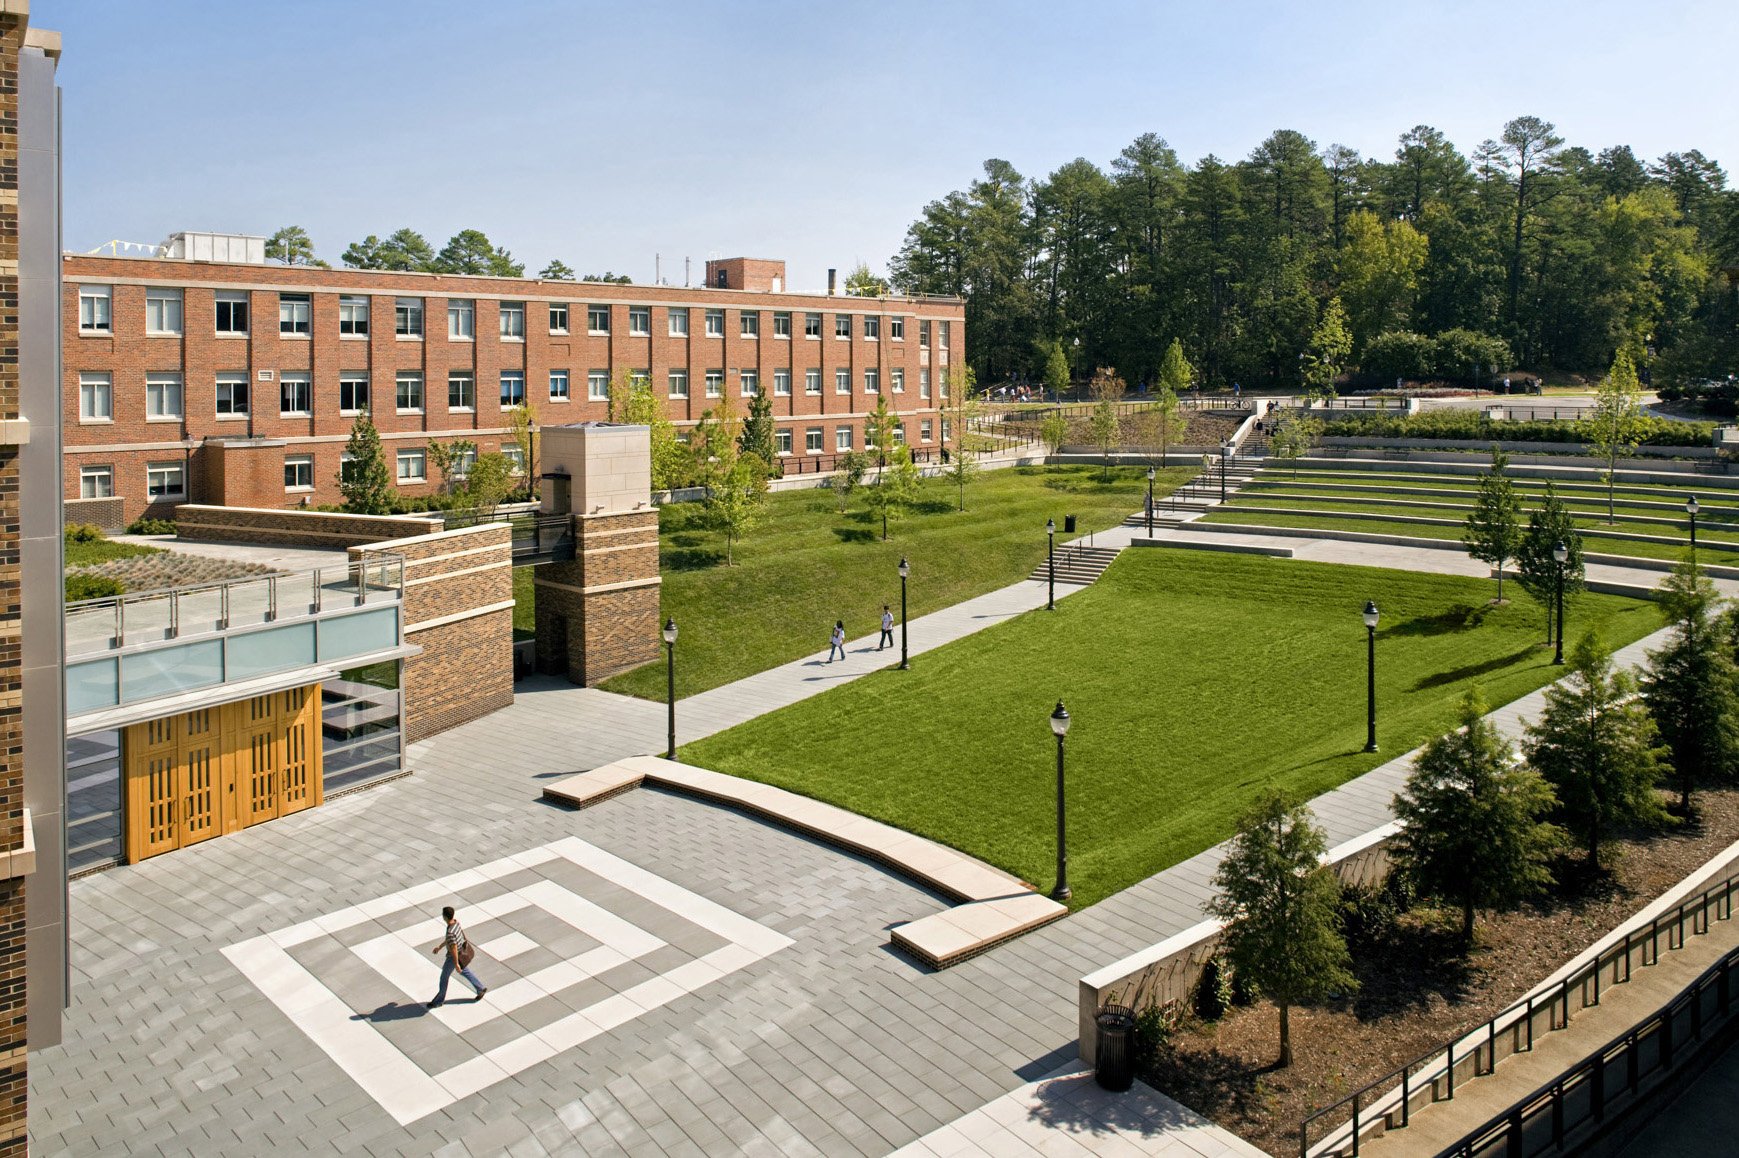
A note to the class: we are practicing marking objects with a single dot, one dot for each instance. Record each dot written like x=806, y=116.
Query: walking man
x=836, y=641
x=458, y=956
x=887, y=628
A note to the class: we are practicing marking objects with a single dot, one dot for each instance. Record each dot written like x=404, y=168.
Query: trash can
x=1068, y=524
x=1114, y=1058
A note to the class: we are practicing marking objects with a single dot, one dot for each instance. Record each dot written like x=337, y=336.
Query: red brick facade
x=896, y=347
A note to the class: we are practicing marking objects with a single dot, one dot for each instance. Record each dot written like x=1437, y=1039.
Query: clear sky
x=815, y=132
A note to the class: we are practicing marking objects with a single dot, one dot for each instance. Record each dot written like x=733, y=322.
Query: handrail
x=1717, y=898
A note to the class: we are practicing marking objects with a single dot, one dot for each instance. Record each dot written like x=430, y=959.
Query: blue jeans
x=447, y=967
x=833, y=648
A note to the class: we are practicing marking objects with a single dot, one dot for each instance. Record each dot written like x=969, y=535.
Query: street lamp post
x=1051, y=550
x=1060, y=728
x=1691, y=509
x=1150, y=474
x=670, y=684
x=905, y=570
x=1370, y=675
x=1225, y=460
x=1560, y=556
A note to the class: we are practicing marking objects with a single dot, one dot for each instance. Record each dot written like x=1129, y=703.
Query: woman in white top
x=836, y=642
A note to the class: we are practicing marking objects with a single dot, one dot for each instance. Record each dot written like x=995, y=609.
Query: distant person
x=836, y=641
x=458, y=956
x=887, y=628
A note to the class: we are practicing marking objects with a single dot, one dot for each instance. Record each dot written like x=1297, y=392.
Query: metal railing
x=94, y=626
x=1514, y=1026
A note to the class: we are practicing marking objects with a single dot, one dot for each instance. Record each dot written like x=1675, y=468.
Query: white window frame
x=160, y=389
x=945, y=333
x=782, y=325
x=814, y=440
x=353, y=316
x=639, y=321
x=413, y=400
x=96, y=398
x=597, y=386
x=924, y=333
x=509, y=380
x=842, y=327
x=166, y=470
x=896, y=380
x=515, y=456
x=782, y=383
x=295, y=463
x=812, y=380
x=407, y=319
x=461, y=320
x=559, y=378
x=812, y=327
x=842, y=381
x=598, y=320
x=96, y=309
x=466, y=381
x=899, y=434
x=677, y=381
x=842, y=439
x=231, y=380
x=872, y=329
x=676, y=321
x=748, y=383
x=291, y=384
x=924, y=429
x=558, y=317
x=715, y=323
x=782, y=440
x=923, y=382
x=872, y=381
x=94, y=479
x=411, y=466
x=715, y=383
x=295, y=311
x=232, y=299
x=163, y=311
x=347, y=384
x=512, y=321
x=749, y=323
x=896, y=329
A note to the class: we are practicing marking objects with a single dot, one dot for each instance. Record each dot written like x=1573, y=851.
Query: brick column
x=598, y=616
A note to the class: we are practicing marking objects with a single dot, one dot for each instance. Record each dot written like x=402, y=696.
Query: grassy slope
x=807, y=565
x=1194, y=680
x=103, y=550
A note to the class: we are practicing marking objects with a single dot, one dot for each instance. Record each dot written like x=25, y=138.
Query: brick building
x=233, y=382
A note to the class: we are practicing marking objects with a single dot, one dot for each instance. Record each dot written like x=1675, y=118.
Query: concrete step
x=1078, y=565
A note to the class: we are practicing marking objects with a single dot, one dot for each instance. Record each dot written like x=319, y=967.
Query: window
x=513, y=321
x=678, y=322
x=515, y=456
x=598, y=386
x=96, y=398
x=408, y=392
x=782, y=441
x=299, y=473
x=869, y=437
x=782, y=383
x=897, y=329
x=944, y=383
x=639, y=321
x=407, y=317
x=812, y=325
x=346, y=467
x=812, y=440
x=295, y=394
x=897, y=380
x=923, y=333
x=872, y=381
x=232, y=395
x=512, y=389
x=924, y=428
x=679, y=383
x=162, y=311
x=923, y=383
x=461, y=390
x=842, y=326
x=558, y=317
x=872, y=329
x=353, y=317
x=899, y=434
x=842, y=439
x=461, y=320
x=162, y=397
x=715, y=383
x=94, y=309
x=812, y=381
x=750, y=323
x=715, y=323
x=942, y=337
x=232, y=313
x=842, y=381
x=558, y=385
x=413, y=466
x=945, y=430
x=295, y=314
x=750, y=382
x=96, y=482
x=782, y=326
x=352, y=393
x=597, y=319
x=165, y=480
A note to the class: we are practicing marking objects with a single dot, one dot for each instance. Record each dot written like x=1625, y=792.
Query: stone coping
x=997, y=907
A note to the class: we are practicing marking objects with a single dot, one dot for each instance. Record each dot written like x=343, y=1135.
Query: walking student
x=836, y=641
x=887, y=628
x=458, y=956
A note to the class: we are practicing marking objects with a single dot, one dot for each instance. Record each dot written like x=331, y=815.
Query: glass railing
x=95, y=626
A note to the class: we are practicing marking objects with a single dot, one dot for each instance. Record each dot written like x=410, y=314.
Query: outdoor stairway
x=1077, y=563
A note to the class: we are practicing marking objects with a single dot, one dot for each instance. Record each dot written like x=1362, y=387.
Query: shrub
x=1398, y=354
x=81, y=585
x=1451, y=355
x=1472, y=426
x=1153, y=1029
x=1214, y=989
x=1454, y=353
x=151, y=527
x=83, y=533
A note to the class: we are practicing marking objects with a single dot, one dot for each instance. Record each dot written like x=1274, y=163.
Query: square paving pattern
x=560, y=969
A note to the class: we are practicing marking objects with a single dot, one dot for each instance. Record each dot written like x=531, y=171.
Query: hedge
x=1469, y=425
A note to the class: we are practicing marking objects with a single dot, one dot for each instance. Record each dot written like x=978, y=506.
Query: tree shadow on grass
x=1459, y=617
x=933, y=507
x=691, y=559
x=1473, y=670
x=855, y=534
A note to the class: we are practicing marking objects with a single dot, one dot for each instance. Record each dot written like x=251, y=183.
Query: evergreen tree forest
x=1525, y=253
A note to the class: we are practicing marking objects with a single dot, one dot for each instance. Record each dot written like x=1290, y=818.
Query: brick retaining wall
x=293, y=528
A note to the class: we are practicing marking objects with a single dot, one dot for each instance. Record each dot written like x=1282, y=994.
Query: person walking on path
x=458, y=956
x=887, y=628
x=836, y=641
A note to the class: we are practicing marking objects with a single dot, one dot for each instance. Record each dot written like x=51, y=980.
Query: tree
x=1054, y=430
x=959, y=412
x=1175, y=376
x=1616, y=419
x=488, y=481
x=1280, y=905
x=1106, y=390
x=714, y=443
x=1294, y=435
x=1331, y=344
x=406, y=250
x=1379, y=274
x=470, y=252
x=292, y=246
x=862, y=282
x=556, y=270
x=1494, y=526
x=896, y=489
x=1537, y=566
x=1690, y=685
x=757, y=437
x=1056, y=372
x=522, y=428
x=634, y=402
x=453, y=460
x=849, y=469
x=609, y=278
x=736, y=501
x=1472, y=820
x=1595, y=744
x=364, y=480
x=878, y=429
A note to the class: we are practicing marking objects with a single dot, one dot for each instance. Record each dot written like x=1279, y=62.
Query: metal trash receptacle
x=1068, y=524
x=1114, y=1057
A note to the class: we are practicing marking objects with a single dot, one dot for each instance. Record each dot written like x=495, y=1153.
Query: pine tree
x=1057, y=372
x=758, y=430
x=1472, y=821
x=1690, y=686
x=1494, y=525
x=1536, y=566
x=364, y=480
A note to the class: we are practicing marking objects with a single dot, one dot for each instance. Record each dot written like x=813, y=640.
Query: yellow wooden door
x=257, y=756
x=299, y=754
x=199, y=764
x=152, y=787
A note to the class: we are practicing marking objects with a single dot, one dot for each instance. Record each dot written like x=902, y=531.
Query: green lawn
x=103, y=550
x=807, y=565
x=1194, y=679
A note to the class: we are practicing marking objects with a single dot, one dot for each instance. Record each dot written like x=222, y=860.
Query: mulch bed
x=1418, y=991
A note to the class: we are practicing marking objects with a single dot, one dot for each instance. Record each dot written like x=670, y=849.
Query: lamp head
x=905, y=568
x=1370, y=614
x=1060, y=720
x=1050, y=526
x=1151, y=474
x=1561, y=554
x=1692, y=506
x=670, y=631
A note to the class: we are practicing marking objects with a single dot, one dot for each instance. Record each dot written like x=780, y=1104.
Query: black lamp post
x=1150, y=474
x=905, y=570
x=1060, y=728
x=1560, y=556
x=1370, y=675
x=1225, y=460
x=670, y=684
x=1691, y=509
x=1051, y=541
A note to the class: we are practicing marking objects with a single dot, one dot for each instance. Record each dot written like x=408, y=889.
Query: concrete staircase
x=1077, y=563
x=1196, y=497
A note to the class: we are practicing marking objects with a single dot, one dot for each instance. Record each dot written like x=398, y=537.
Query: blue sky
x=605, y=133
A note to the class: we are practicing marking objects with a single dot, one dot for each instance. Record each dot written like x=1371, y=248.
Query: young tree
x=633, y=401
x=864, y=283
x=1331, y=344
x=897, y=487
x=1106, y=389
x=489, y=481
x=878, y=429
x=1536, y=566
x=958, y=414
x=1595, y=744
x=1175, y=375
x=1056, y=372
x=1690, y=685
x=737, y=499
x=292, y=246
x=1280, y=905
x=714, y=444
x=364, y=480
x=1054, y=430
x=1473, y=830
x=1494, y=526
x=556, y=270
x=850, y=468
x=1616, y=419
x=453, y=461
x=522, y=427
x=757, y=437
x=1294, y=435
